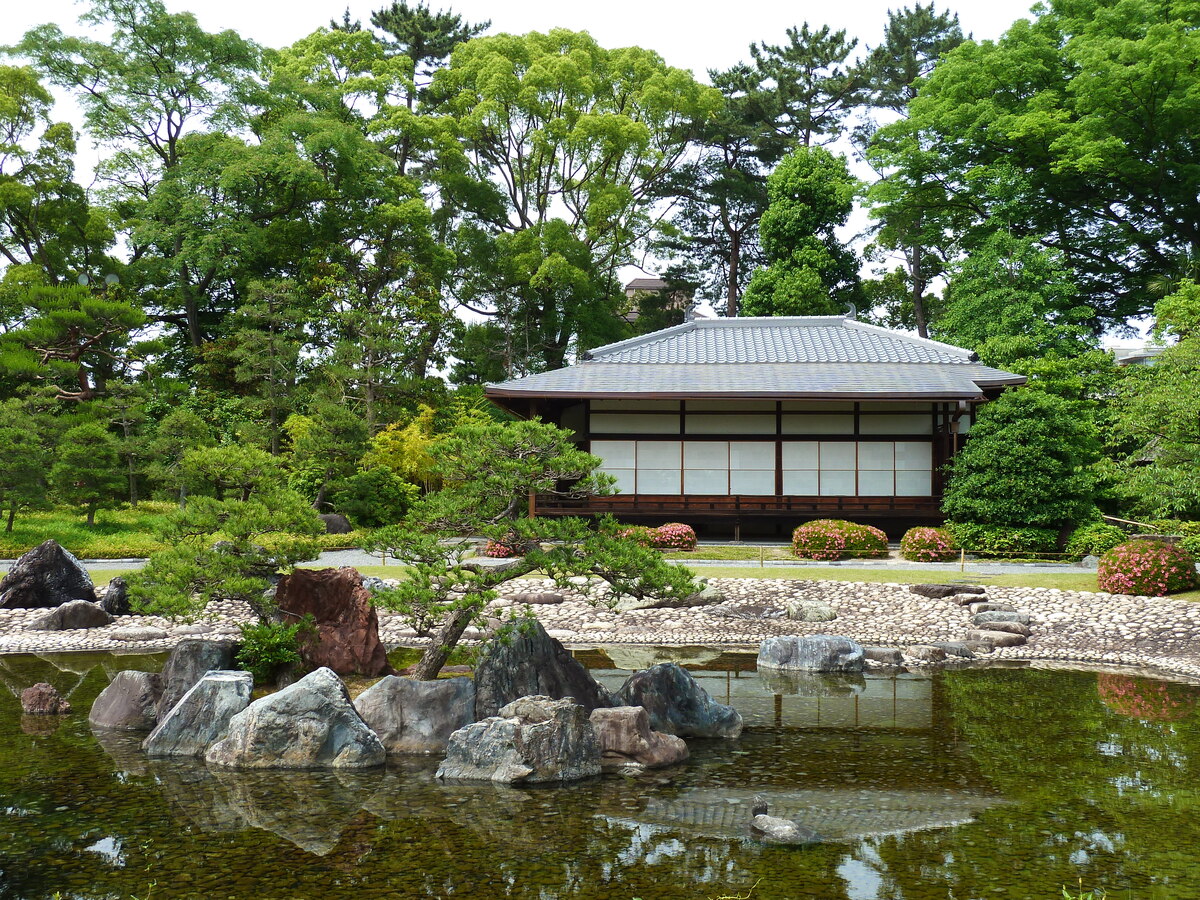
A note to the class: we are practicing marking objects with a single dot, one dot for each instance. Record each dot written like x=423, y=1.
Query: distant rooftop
x=825, y=357
x=646, y=284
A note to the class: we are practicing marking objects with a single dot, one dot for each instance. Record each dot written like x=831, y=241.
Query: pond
x=971, y=783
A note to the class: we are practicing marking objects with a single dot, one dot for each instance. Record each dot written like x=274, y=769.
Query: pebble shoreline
x=1156, y=633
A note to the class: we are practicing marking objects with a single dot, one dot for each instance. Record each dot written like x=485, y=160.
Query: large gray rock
x=1010, y=627
x=810, y=611
x=129, y=703
x=534, y=739
x=677, y=704
x=72, y=615
x=997, y=638
x=412, y=716
x=820, y=653
x=335, y=523
x=985, y=618
x=626, y=741
x=308, y=725
x=46, y=576
x=114, y=599
x=201, y=716
x=187, y=664
x=940, y=591
x=527, y=663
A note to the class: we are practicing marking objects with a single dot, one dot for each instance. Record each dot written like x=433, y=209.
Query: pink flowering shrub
x=639, y=534
x=838, y=539
x=929, y=545
x=1150, y=568
x=504, y=548
x=673, y=536
x=1142, y=698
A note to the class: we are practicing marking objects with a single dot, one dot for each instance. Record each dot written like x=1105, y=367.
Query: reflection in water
x=969, y=783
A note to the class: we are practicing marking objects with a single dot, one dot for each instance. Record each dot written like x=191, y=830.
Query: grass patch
x=733, y=553
x=118, y=533
x=1067, y=581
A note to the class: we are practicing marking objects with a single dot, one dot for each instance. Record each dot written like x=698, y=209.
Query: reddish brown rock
x=347, y=638
x=43, y=700
x=626, y=740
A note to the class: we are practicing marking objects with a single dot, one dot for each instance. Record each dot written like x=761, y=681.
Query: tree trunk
x=91, y=516
x=443, y=642
x=12, y=514
x=731, y=290
x=916, y=259
x=183, y=496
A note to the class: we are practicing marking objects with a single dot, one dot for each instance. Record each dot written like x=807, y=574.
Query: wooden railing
x=742, y=506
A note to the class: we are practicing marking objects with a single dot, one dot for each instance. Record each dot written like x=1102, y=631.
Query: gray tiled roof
x=819, y=357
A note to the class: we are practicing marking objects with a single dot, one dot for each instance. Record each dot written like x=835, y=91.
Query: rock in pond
x=71, y=615
x=308, y=725
x=677, y=704
x=201, y=716
x=820, y=653
x=534, y=739
x=186, y=665
x=412, y=716
x=531, y=663
x=626, y=741
x=347, y=625
x=129, y=703
x=43, y=699
x=775, y=830
x=46, y=576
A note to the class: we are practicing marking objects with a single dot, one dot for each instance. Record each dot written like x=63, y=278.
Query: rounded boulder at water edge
x=678, y=704
x=819, y=653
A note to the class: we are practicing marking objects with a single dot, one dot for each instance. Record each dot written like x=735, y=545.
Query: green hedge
x=1004, y=540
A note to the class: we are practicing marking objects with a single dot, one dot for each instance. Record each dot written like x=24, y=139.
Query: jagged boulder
x=72, y=615
x=46, y=576
x=412, y=716
x=626, y=741
x=678, y=704
x=819, y=653
x=347, y=639
x=531, y=663
x=534, y=739
x=189, y=661
x=43, y=699
x=335, y=523
x=308, y=725
x=114, y=599
x=201, y=716
x=129, y=703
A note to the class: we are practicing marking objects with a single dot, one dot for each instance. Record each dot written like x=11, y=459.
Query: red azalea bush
x=838, y=539
x=673, y=536
x=929, y=545
x=1150, y=568
x=504, y=548
x=1141, y=698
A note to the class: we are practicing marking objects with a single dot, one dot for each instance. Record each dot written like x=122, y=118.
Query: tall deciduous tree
x=913, y=42
x=810, y=271
x=567, y=147
x=1074, y=128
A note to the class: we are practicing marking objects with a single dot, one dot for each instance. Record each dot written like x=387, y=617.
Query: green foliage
x=86, y=469
x=118, y=533
x=1026, y=464
x=374, y=497
x=268, y=647
x=22, y=477
x=809, y=271
x=265, y=528
x=929, y=545
x=1149, y=568
x=1094, y=539
x=1004, y=540
x=838, y=539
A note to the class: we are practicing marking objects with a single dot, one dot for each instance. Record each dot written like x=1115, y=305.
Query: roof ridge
x=642, y=339
x=913, y=339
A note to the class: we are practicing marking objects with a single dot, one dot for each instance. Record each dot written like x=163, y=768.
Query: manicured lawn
x=117, y=534
x=733, y=552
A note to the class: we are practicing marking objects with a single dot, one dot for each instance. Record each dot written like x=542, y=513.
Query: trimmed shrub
x=640, y=534
x=838, y=539
x=1150, y=568
x=1004, y=540
x=673, y=536
x=1095, y=539
x=1176, y=526
x=929, y=545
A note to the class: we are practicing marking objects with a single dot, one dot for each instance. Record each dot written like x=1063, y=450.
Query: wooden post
x=532, y=505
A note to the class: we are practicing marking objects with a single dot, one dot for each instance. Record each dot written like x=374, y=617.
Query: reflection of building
x=778, y=419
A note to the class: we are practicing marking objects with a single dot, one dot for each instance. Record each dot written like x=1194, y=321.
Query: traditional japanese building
x=772, y=420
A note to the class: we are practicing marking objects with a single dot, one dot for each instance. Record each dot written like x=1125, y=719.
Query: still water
x=972, y=783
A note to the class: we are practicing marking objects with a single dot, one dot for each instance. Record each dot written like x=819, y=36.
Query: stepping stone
x=997, y=638
x=134, y=633
x=956, y=648
x=977, y=608
x=941, y=591
x=1010, y=627
x=925, y=653
x=889, y=656
x=986, y=618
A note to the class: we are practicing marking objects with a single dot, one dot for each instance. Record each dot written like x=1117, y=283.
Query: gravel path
x=1067, y=626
